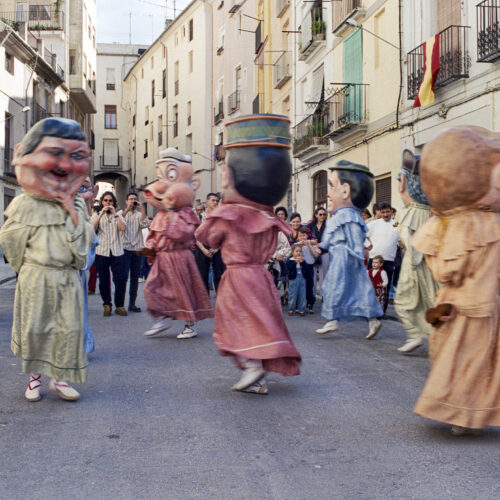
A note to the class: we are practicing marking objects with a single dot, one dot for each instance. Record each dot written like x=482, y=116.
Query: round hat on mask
x=258, y=148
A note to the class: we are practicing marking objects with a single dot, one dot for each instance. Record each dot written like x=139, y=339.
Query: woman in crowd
x=109, y=254
x=281, y=212
x=317, y=227
x=296, y=224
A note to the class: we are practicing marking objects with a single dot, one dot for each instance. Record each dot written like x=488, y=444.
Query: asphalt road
x=157, y=420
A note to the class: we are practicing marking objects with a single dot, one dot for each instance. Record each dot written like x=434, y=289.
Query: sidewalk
x=6, y=272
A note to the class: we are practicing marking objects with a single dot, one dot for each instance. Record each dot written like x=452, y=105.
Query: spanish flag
x=425, y=94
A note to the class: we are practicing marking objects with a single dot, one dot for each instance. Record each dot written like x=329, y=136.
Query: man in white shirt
x=135, y=219
x=384, y=238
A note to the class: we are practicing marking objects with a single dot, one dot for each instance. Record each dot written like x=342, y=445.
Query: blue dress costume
x=348, y=294
x=88, y=339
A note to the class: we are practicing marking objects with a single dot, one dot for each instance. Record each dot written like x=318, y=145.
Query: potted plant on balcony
x=318, y=29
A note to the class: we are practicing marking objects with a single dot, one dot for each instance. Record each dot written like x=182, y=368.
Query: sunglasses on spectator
x=108, y=199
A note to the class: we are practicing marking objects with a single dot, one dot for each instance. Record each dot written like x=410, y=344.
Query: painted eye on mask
x=172, y=174
x=84, y=189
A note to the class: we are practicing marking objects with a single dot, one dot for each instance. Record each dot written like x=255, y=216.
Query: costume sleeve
x=14, y=237
x=79, y=238
x=211, y=233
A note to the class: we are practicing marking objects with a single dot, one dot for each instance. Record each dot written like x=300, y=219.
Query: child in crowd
x=310, y=252
x=379, y=279
x=295, y=267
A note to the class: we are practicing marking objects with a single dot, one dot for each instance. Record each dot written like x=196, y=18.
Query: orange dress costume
x=462, y=250
x=248, y=317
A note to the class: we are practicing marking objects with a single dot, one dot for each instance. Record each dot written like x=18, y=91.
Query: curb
x=5, y=280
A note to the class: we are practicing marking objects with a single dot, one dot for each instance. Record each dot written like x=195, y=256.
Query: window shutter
x=353, y=73
x=383, y=190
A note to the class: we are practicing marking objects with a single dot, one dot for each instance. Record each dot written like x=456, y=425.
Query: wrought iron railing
x=38, y=18
x=219, y=112
x=347, y=107
x=38, y=113
x=282, y=70
x=116, y=162
x=312, y=131
x=233, y=102
x=343, y=10
x=488, y=30
x=454, y=60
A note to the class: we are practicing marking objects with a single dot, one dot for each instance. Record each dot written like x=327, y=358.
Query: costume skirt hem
x=472, y=418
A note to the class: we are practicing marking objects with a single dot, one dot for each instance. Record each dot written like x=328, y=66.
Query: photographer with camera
x=135, y=220
x=109, y=254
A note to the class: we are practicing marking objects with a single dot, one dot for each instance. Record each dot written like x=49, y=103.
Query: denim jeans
x=117, y=266
x=297, y=293
x=132, y=263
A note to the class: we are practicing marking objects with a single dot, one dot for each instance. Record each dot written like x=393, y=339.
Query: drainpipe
x=400, y=8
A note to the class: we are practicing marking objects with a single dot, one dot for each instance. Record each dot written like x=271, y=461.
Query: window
x=142, y=73
x=133, y=121
x=145, y=148
x=191, y=29
x=383, y=190
x=72, y=62
x=188, y=113
x=152, y=93
x=152, y=132
x=176, y=78
x=449, y=12
x=320, y=187
x=190, y=61
x=164, y=83
x=85, y=66
x=7, y=155
x=93, y=37
x=9, y=63
x=146, y=119
x=90, y=28
x=164, y=51
x=160, y=130
x=110, y=79
x=39, y=12
x=152, y=62
x=110, y=153
x=175, y=112
x=109, y=116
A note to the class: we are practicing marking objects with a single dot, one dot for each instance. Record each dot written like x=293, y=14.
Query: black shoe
x=134, y=309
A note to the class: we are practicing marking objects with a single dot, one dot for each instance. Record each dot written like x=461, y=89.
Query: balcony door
x=449, y=12
x=353, y=73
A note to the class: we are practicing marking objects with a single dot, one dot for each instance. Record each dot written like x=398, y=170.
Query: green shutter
x=353, y=73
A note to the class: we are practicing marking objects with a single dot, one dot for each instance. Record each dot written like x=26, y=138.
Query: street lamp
x=353, y=22
x=206, y=158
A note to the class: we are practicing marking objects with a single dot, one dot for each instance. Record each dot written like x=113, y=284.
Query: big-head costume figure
x=46, y=239
x=416, y=286
x=460, y=173
x=174, y=289
x=249, y=323
x=347, y=291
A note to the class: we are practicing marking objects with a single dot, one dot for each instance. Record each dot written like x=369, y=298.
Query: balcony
x=82, y=92
x=281, y=6
x=488, y=30
x=8, y=169
x=38, y=18
x=38, y=113
x=233, y=102
x=282, y=71
x=454, y=60
x=311, y=143
x=344, y=10
x=347, y=108
x=219, y=113
x=111, y=163
x=313, y=32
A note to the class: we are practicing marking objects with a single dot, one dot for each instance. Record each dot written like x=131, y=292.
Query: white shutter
x=110, y=152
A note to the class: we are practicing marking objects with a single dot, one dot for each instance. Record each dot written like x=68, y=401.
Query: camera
x=108, y=210
x=136, y=203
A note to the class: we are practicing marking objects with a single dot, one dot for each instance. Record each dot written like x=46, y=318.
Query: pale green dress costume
x=416, y=286
x=43, y=245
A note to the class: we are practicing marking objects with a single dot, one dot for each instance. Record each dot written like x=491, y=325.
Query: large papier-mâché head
x=53, y=157
x=176, y=183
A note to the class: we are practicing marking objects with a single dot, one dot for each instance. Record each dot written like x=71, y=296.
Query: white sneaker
x=331, y=326
x=411, y=345
x=160, y=326
x=63, y=390
x=187, y=333
x=374, y=325
x=32, y=392
x=259, y=387
x=252, y=373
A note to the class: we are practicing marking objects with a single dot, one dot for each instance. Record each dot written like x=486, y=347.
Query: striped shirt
x=108, y=232
x=132, y=236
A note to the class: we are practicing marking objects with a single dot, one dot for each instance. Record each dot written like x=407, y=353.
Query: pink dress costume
x=248, y=317
x=174, y=287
